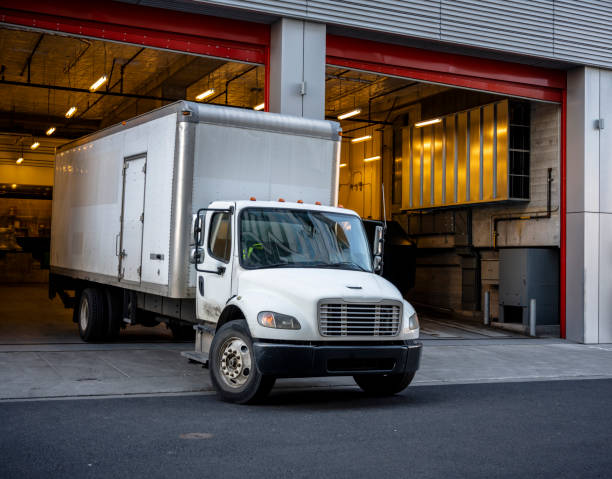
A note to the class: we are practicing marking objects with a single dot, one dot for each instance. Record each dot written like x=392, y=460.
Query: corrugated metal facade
x=566, y=30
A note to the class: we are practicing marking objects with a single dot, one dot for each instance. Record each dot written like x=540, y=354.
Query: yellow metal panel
x=487, y=149
x=450, y=160
x=502, y=150
x=416, y=168
x=439, y=170
x=406, y=176
x=427, y=145
x=475, y=155
x=462, y=158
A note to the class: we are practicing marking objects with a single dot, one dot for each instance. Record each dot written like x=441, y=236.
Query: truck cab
x=291, y=290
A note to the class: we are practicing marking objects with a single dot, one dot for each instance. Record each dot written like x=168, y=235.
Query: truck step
x=196, y=357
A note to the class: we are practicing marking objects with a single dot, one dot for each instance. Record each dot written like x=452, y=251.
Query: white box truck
x=179, y=216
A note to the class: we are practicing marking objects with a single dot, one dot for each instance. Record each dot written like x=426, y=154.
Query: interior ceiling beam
x=84, y=90
x=32, y=118
x=29, y=59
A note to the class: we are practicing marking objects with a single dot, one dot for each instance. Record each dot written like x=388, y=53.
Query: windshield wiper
x=340, y=264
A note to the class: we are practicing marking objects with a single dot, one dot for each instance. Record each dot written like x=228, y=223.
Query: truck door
x=215, y=272
x=132, y=218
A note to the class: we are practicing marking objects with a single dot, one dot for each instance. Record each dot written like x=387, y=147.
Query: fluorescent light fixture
x=428, y=122
x=349, y=114
x=259, y=107
x=205, y=94
x=50, y=131
x=19, y=160
x=71, y=112
x=361, y=138
x=34, y=145
x=342, y=165
x=98, y=83
x=372, y=158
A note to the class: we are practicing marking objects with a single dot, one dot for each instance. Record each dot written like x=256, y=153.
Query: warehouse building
x=476, y=129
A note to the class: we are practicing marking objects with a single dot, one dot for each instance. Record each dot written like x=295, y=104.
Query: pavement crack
x=115, y=367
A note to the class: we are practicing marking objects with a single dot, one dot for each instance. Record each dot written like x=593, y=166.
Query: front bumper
x=297, y=360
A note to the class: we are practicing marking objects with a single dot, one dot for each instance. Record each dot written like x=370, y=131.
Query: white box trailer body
x=153, y=221
x=124, y=197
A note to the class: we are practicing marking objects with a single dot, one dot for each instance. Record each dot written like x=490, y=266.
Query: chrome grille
x=359, y=319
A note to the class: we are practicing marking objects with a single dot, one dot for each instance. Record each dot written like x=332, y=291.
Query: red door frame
x=466, y=72
x=146, y=26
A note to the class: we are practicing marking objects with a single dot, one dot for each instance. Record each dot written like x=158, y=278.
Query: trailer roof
x=224, y=115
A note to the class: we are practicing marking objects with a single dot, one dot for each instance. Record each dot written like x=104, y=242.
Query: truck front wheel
x=91, y=315
x=232, y=365
x=384, y=384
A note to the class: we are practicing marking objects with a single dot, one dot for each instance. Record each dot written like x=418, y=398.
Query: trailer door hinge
x=142, y=218
x=139, y=270
x=144, y=168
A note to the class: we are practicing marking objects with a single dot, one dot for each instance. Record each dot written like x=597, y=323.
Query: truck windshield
x=283, y=238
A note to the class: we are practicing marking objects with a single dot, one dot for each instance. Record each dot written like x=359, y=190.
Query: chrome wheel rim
x=235, y=362
x=84, y=314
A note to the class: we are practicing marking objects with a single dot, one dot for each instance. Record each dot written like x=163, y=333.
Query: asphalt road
x=531, y=429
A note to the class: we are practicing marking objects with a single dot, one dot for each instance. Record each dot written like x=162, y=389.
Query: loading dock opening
x=65, y=74
x=414, y=106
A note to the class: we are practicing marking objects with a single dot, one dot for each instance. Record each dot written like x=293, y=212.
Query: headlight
x=269, y=319
x=413, y=322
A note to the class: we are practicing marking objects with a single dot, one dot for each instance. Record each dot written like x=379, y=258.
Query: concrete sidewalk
x=41, y=356
x=110, y=370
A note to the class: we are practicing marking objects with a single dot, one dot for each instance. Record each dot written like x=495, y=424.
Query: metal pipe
x=487, y=308
x=532, y=317
x=533, y=216
x=84, y=90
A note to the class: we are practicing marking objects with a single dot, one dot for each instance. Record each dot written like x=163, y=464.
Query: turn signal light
x=318, y=203
x=252, y=198
x=281, y=200
x=300, y=201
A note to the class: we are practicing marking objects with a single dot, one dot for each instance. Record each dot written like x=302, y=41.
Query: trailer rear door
x=132, y=218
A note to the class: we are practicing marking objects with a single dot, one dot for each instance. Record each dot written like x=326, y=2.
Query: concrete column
x=297, y=68
x=589, y=206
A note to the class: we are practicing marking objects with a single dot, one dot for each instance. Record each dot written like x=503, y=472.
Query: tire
x=91, y=315
x=231, y=356
x=114, y=314
x=383, y=384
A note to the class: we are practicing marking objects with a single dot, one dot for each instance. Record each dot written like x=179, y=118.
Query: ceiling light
x=71, y=112
x=34, y=145
x=428, y=122
x=14, y=186
x=361, y=138
x=98, y=83
x=19, y=160
x=342, y=165
x=50, y=131
x=259, y=107
x=205, y=94
x=372, y=158
x=349, y=114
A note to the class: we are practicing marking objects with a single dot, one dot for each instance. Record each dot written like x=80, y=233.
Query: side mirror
x=377, y=248
x=196, y=255
x=197, y=227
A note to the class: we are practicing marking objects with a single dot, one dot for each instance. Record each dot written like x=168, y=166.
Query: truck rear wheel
x=114, y=314
x=232, y=365
x=91, y=315
x=383, y=384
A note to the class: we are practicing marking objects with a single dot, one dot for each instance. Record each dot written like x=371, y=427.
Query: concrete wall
x=589, y=206
x=545, y=153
